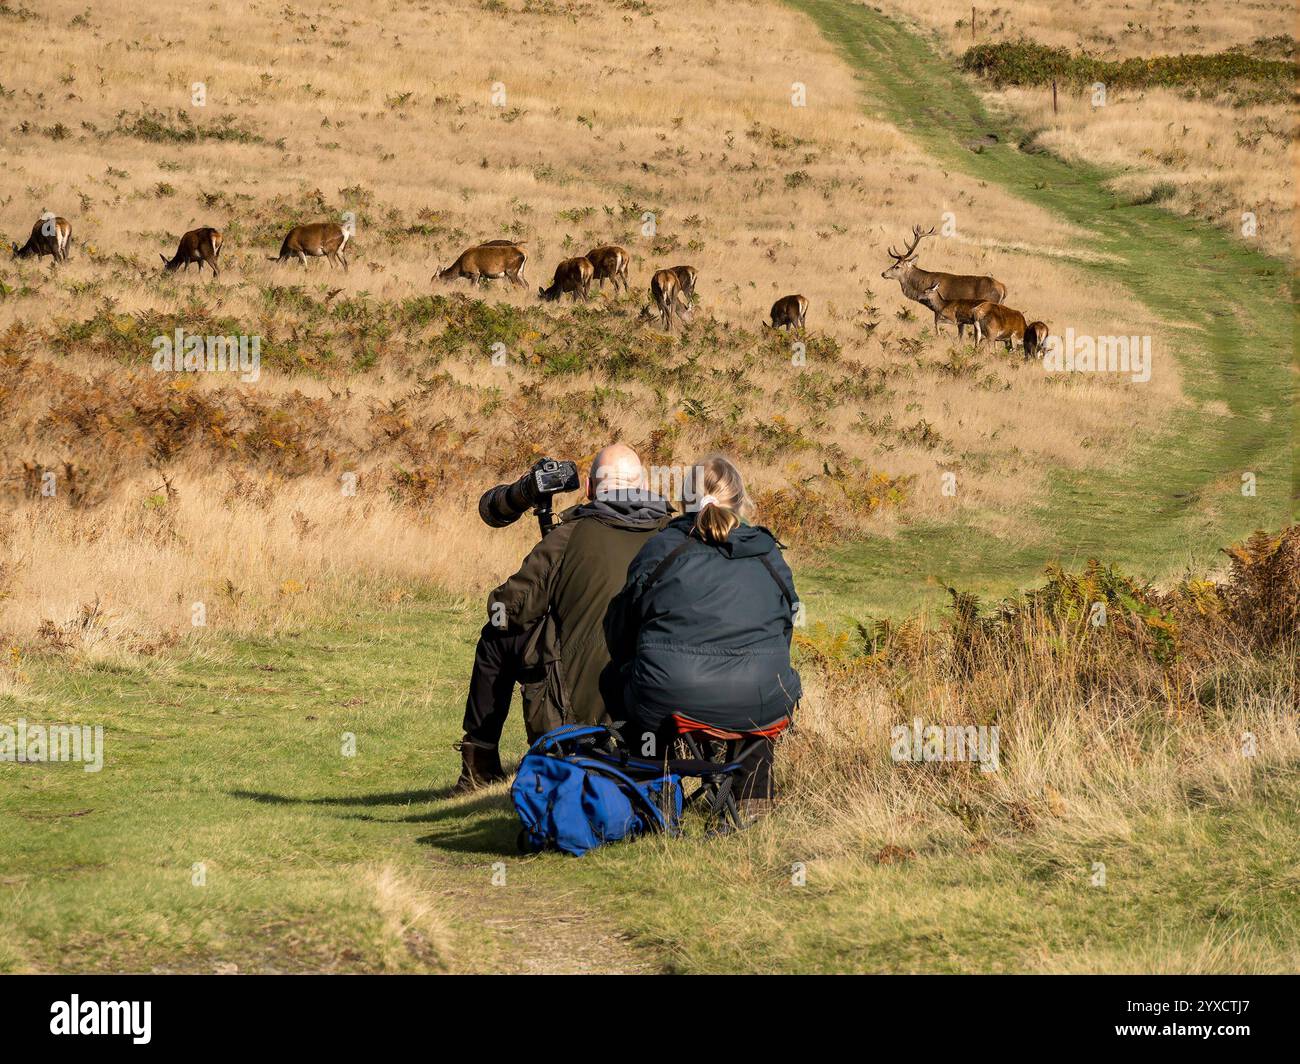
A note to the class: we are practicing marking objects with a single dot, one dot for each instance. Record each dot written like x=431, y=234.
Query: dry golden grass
x=130, y=572
x=610, y=110
x=1213, y=159
x=411, y=924
x=848, y=801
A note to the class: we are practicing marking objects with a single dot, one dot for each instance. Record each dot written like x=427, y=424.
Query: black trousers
x=498, y=666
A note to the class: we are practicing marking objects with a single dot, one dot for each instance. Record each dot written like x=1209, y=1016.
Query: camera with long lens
x=507, y=503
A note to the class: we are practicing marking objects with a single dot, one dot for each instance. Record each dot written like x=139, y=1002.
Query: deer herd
x=957, y=299
x=962, y=300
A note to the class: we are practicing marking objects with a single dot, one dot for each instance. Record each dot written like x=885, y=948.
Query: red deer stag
x=198, y=245
x=915, y=280
x=610, y=261
x=572, y=276
x=488, y=262
x=961, y=312
x=999, y=324
x=315, y=239
x=51, y=235
x=1036, y=334
x=790, y=312
x=666, y=290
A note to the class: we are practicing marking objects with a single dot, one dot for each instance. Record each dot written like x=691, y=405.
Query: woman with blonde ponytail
x=700, y=635
x=717, y=486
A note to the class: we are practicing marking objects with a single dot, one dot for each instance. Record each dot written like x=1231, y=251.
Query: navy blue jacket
x=710, y=638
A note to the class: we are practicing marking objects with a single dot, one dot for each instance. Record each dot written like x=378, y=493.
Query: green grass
x=1177, y=498
x=222, y=761
x=233, y=759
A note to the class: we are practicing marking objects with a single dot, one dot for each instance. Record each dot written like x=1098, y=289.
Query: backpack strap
x=662, y=567
x=629, y=789
x=786, y=592
x=557, y=738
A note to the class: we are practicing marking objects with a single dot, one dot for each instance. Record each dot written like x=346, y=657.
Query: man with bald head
x=546, y=624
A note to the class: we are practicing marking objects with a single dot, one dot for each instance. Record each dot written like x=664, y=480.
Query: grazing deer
x=51, y=235
x=488, y=262
x=503, y=243
x=998, y=323
x=685, y=281
x=610, y=261
x=666, y=290
x=789, y=311
x=572, y=276
x=1035, y=337
x=915, y=280
x=198, y=245
x=315, y=239
x=961, y=312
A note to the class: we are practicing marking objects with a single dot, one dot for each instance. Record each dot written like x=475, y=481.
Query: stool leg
x=689, y=748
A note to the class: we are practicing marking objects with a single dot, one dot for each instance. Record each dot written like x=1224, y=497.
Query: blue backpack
x=576, y=790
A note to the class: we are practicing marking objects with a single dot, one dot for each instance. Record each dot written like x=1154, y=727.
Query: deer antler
x=917, y=237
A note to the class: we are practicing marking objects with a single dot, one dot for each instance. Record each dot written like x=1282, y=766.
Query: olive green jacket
x=562, y=592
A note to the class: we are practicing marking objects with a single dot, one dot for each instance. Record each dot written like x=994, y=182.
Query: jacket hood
x=634, y=509
x=745, y=541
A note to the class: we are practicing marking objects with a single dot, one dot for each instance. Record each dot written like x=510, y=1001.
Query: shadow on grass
x=484, y=823
x=391, y=798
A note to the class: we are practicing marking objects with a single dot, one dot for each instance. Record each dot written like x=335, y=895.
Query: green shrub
x=1026, y=63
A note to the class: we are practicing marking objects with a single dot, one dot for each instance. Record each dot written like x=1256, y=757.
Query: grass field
x=312, y=860
x=274, y=796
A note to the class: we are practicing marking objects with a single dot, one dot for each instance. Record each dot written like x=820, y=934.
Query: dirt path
x=533, y=929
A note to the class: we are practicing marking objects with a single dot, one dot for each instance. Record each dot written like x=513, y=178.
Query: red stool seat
x=686, y=725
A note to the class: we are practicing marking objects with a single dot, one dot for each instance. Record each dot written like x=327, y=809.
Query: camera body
x=506, y=503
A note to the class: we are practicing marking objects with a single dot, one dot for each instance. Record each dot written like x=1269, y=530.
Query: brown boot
x=480, y=764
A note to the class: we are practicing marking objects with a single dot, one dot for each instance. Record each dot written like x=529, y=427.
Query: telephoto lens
x=507, y=503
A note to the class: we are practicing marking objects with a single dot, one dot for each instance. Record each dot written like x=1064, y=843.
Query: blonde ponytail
x=720, y=489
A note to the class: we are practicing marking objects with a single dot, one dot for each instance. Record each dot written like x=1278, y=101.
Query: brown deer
x=685, y=281
x=999, y=324
x=789, y=311
x=666, y=290
x=198, y=245
x=503, y=243
x=610, y=261
x=572, y=276
x=915, y=280
x=961, y=312
x=315, y=239
x=51, y=235
x=488, y=262
x=1035, y=337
